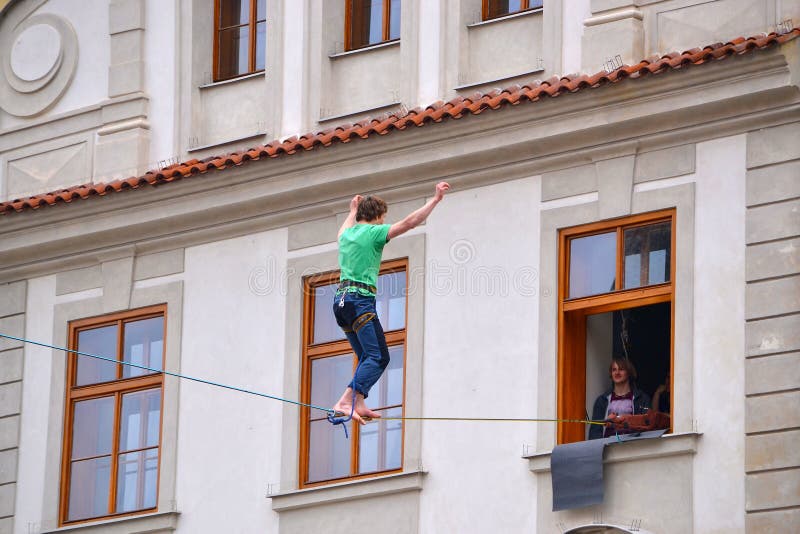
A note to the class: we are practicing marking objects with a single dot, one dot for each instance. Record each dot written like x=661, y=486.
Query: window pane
x=329, y=378
x=233, y=52
x=261, y=9
x=88, y=488
x=328, y=451
x=100, y=342
x=93, y=428
x=233, y=12
x=261, y=44
x=647, y=255
x=137, y=480
x=140, y=419
x=592, y=264
x=381, y=444
x=325, y=327
x=394, y=20
x=144, y=345
x=388, y=390
x=366, y=23
x=390, y=300
x=498, y=8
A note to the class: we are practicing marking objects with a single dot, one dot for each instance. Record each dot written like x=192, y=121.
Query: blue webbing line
x=334, y=420
x=329, y=411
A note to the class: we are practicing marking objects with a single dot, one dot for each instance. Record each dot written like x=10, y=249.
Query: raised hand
x=441, y=189
x=354, y=202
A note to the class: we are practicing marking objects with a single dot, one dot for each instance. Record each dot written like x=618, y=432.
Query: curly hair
x=370, y=208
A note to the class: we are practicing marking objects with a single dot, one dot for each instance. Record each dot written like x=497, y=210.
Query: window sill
x=516, y=15
x=226, y=142
x=667, y=445
x=347, y=491
x=259, y=74
x=359, y=112
x=385, y=44
x=495, y=80
x=156, y=522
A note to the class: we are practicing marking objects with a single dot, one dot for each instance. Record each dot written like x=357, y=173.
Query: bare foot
x=363, y=411
x=344, y=406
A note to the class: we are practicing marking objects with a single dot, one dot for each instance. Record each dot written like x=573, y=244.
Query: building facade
x=625, y=181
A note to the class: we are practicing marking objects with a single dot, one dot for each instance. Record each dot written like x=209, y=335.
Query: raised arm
x=351, y=217
x=415, y=218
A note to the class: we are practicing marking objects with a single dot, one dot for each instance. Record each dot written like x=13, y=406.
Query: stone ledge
x=667, y=445
x=347, y=491
x=157, y=522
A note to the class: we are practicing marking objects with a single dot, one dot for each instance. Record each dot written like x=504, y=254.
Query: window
x=493, y=9
x=616, y=294
x=240, y=37
x=368, y=22
x=113, y=416
x=328, y=366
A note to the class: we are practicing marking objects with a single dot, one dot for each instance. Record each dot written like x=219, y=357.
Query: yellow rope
x=490, y=419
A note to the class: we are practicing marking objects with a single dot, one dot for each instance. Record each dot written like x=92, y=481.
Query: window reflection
x=137, y=479
x=144, y=345
x=381, y=443
x=647, y=255
x=328, y=451
x=592, y=264
x=99, y=342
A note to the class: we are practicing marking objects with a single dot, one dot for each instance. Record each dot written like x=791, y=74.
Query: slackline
x=331, y=412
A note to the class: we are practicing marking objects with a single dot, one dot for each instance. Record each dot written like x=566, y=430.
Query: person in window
x=623, y=398
x=361, y=240
x=661, y=396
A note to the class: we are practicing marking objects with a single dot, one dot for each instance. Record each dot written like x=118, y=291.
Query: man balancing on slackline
x=361, y=240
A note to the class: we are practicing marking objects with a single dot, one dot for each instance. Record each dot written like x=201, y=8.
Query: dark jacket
x=641, y=403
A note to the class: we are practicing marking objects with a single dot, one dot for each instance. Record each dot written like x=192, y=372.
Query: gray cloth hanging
x=576, y=470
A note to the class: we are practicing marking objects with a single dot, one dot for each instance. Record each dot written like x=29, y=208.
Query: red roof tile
x=436, y=112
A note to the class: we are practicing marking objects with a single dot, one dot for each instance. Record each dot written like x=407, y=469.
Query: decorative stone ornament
x=38, y=59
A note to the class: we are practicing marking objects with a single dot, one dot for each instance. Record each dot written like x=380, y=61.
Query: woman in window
x=623, y=398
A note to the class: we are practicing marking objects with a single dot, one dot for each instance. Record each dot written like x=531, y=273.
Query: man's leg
x=373, y=362
x=345, y=402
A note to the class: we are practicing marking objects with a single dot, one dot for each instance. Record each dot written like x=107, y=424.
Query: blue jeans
x=360, y=323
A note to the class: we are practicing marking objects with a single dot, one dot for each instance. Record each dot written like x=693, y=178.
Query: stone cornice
x=734, y=96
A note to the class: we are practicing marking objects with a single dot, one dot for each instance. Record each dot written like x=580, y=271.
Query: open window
x=616, y=299
x=369, y=22
x=112, y=436
x=240, y=37
x=493, y=9
x=328, y=366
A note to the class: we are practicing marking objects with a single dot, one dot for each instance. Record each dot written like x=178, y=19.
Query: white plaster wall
x=719, y=283
x=295, y=52
x=430, y=36
x=90, y=82
x=229, y=442
x=599, y=348
x=575, y=12
x=37, y=369
x=480, y=360
x=161, y=68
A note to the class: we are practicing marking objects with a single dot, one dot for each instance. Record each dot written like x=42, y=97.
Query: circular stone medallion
x=35, y=52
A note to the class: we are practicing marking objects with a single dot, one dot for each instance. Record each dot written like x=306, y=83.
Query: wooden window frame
x=525, y=5
x=313, y=351
x=572, y=313
x=252, y=24
x=116, y=388
x=385, y=23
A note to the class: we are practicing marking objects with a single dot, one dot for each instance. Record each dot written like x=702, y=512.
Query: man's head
x=370, y=209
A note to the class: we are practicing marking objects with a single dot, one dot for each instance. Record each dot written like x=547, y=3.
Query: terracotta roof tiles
x=418, y=117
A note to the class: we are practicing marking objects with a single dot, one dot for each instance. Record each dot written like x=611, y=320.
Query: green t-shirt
x=360, y=249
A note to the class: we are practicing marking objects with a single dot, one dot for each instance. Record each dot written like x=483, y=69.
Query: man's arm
x=351, y=217
x=415, y=218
